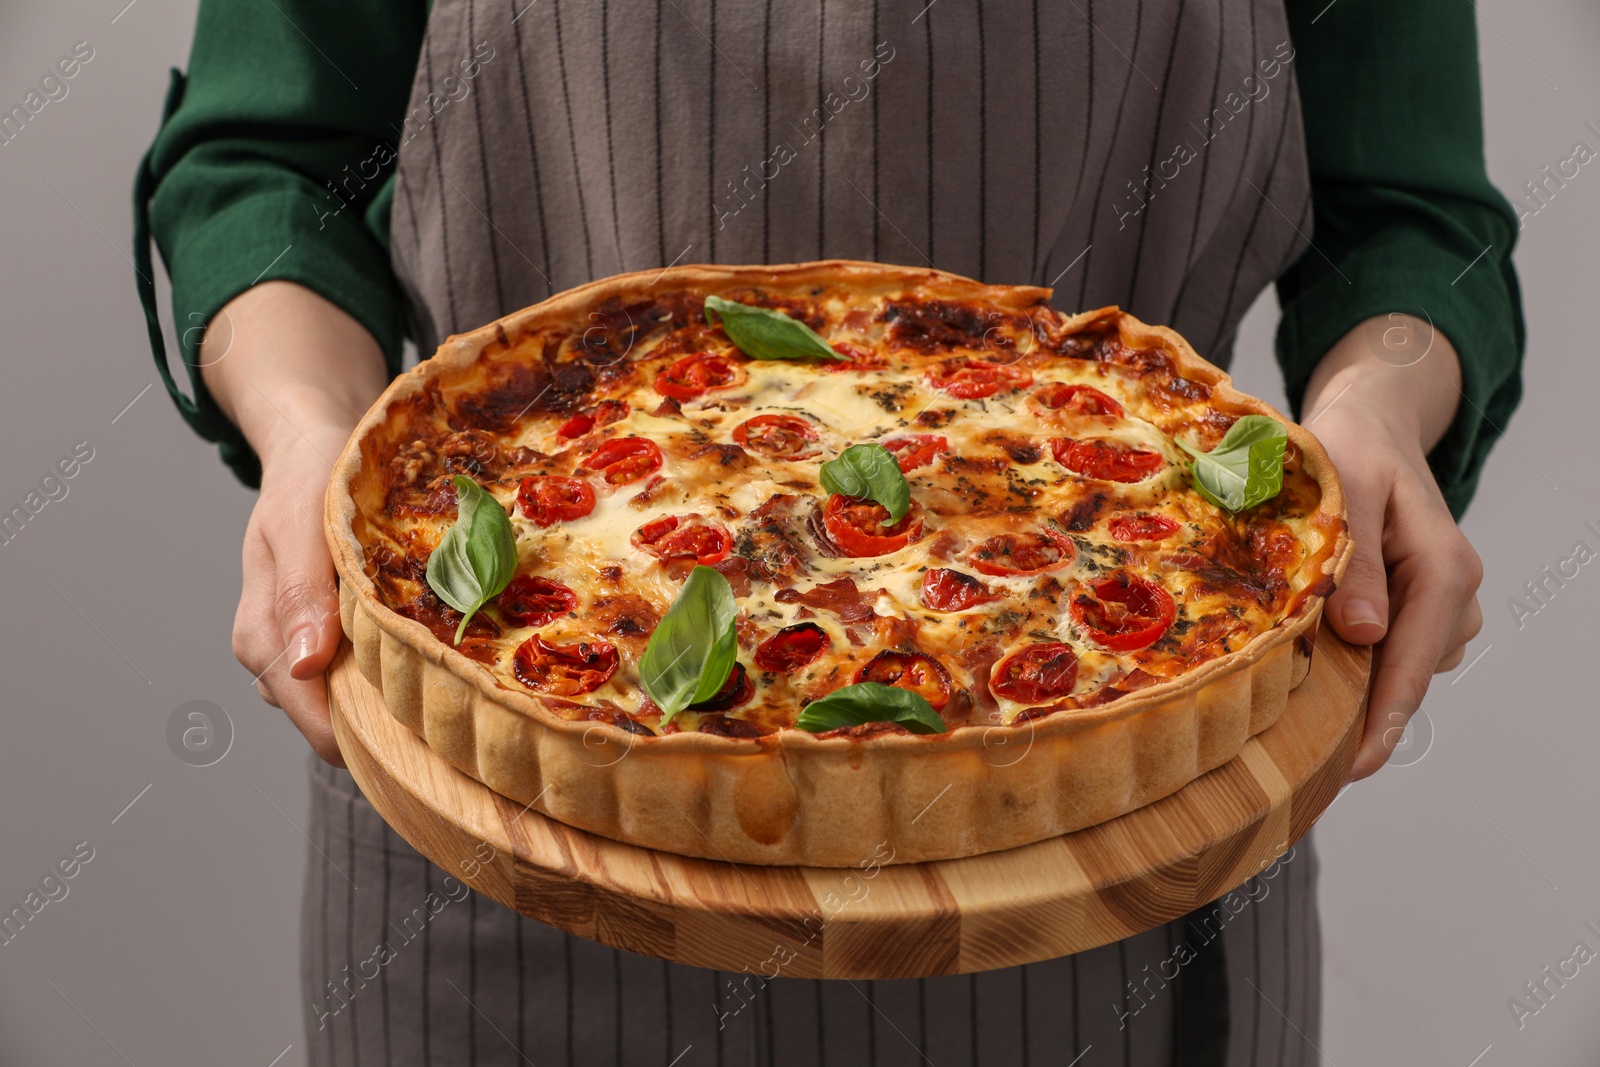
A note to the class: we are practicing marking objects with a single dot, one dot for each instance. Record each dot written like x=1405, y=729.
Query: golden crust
x=782, y=798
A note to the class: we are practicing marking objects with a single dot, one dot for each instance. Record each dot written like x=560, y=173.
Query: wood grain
x=1041, y=901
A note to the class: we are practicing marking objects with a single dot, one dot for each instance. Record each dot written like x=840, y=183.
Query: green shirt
x=239, y=187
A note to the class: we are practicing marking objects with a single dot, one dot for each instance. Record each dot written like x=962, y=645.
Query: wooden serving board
x=1049, y=899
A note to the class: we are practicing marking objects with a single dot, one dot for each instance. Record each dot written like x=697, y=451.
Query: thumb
x=1359, y=608
x=307, y=600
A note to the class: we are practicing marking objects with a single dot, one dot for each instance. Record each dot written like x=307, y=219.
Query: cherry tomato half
x=625, y=459
x=1017, y=555
x=856, y=526
x=1036, y=673
x=1124, y=612
x=547, y=499
x=1076, y=399
x=684, y=537
x=916, y=450
x=576, y=426
x=974, y=379
x=735, y=691
x=530, y=600
x=564, y=670
x=699, y=373
x=792, y=648
x=913, y=671
x=1143, y=527
x=777, y=436
x=1106, y=460
x=607, y=412
x=948, y=590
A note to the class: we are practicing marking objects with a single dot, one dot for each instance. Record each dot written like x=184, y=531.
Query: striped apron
x=1146, y=154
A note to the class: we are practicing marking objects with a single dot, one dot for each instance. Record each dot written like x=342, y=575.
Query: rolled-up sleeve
x=1405, y=218
x=273, y=161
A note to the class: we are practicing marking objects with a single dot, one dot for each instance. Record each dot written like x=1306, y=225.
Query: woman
x=335, y=177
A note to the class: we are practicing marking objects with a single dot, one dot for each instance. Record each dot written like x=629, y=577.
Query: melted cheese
x=979, y=488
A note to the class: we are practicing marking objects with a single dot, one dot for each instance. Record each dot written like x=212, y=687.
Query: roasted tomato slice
x=1107, y=460
x=916, y=450
x=705, y=542
x=576, y=426
x=1124, y=612
x=1035, y=674
x=684, y=537
x=607, y=412
x=625, y=459
x=1143, y=527
x=735, y=691
x=564, y=670
x=777, y=436
x=856, y=525
x=529, y=600
x=973, y=379
x=547, y=499
x=649, y=536
x=948, y=590
x=919, y=673
x=697, y=374
x=792, y=648
x=1076, y=399
x=1017, y=555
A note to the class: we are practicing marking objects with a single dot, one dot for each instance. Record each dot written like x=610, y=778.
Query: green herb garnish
x=476, y=557
x=1245, y=468
x=869, y=471
x=693, y=649
x=762, y=333
x=870, y=702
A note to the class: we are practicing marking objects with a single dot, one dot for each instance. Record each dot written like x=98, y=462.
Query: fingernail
x=301, y=644
x=1362, y=613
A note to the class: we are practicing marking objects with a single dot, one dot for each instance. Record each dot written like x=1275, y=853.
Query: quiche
x=1051, y=582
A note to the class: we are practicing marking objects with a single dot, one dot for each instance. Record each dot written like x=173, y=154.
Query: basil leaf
x=693, y=649
x=1245, y=468
x=869, y=471
x=762, y=333
x=870, y=702
x=476, y=557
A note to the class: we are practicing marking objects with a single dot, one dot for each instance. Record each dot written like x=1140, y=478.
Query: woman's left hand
x=1411, y=587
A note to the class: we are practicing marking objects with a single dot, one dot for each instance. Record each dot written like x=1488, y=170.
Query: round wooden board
x=1045, y=900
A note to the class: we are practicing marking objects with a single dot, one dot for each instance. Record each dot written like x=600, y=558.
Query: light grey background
x=1447, y=884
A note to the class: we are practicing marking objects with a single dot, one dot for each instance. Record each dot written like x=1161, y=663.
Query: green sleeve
x=1403, y=206
x=269, y=164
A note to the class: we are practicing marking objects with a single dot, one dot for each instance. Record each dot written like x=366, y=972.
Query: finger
x=1470, y=626
x=257, y=645
x=306, y=599
x=1359, y=608
x=306, y=704
x=1471, y=623
x=1406, y=661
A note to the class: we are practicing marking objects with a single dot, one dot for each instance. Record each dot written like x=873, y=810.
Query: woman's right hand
x=286, y=629
x=296, y=374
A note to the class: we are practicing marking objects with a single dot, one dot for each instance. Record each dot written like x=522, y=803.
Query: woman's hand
x=296, y=374
x=1378, y=405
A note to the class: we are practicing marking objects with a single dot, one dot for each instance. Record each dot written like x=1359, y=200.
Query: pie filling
x=1054, y=557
